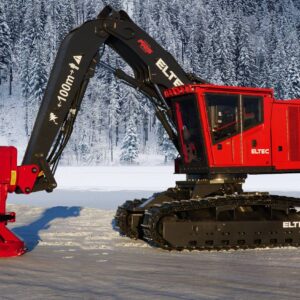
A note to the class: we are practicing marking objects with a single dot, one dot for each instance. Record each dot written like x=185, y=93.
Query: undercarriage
x=211, y=214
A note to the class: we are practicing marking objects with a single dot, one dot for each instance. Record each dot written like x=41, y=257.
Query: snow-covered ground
x=75, y=253
x=106, y=187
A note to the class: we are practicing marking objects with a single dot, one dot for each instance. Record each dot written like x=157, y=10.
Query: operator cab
x=219, y=127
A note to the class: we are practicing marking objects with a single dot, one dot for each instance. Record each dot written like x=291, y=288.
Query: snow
x=273, y=183
x=75, y=252
x=102, y=187
x=114, y=178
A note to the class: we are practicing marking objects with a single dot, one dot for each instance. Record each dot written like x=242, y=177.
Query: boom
x=154, y=71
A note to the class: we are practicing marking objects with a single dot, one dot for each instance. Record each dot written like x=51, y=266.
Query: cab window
x=223, y=115
x=188, y=124
x=252, y=111
x=232, y=114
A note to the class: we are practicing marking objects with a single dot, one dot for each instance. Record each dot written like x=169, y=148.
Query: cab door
x=238, y=134
x=224, y=123
x=255, y=132
x=190, y=132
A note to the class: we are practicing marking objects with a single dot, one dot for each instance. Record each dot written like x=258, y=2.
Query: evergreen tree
x=253, y=43
x=25, y=47
x=113, y=116
x=245, y=64
x=215, y=32
x=227, y=67
x=129, y=147
x=167, y=148
x=5, y=47
x=49, y=43
x=293, y=78
x=14, y=12
x=90, y=10
x=64, y=18
x=38, y=74
x=278, y=69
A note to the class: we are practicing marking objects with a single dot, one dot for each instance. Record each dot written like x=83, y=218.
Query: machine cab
x=221, y=127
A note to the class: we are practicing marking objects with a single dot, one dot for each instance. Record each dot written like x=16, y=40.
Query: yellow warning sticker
x=13, y=178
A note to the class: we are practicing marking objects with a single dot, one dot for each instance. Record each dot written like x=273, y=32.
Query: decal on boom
x=145, y=46
x=66, y=87
x=169, y=74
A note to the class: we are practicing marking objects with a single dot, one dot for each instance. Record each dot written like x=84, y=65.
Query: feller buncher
x=222, y=134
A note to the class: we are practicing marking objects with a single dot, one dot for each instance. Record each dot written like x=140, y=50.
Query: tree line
x=230, y=42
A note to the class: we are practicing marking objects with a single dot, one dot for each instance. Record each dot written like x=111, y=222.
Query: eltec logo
x=169, y=74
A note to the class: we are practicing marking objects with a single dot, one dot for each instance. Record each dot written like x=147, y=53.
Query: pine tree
x=25, y=47
x=31, y=60
x=245, y=64
x=14, y=12
x=90, y=10
x=167, y=148
x=227, y=67
x=219, y=40
x=113, y=116
x=5, y=47
x=216, y=34
x=292, y=66
x=278, y=69
x=38, y=74
x=64, y=18
x=293, y=78
x=129, y=147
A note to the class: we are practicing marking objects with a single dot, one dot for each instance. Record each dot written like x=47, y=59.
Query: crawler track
x=248, y=220
x=123, y=218
x=186, y=224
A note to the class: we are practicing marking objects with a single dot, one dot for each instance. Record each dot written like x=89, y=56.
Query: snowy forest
x=231, y=42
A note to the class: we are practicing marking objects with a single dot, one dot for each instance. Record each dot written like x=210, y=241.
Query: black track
x=123, y=218
x=153, y=222
x=263, y=228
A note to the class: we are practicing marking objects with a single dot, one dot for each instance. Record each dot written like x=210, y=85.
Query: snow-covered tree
x=114, y=116
x=130, y=147
x=293, y=78
x=168, y=148
x=63, y=18
x=253, y=43
x=245, y=63
x=5, y=47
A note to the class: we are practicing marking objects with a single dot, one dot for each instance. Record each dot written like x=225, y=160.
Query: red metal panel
x=279, y=133
x=27, y=176
x=176, y=91
x=10, y=244
x=286, y=135
x=8, y=163
x=294, y=138
x=223, y=153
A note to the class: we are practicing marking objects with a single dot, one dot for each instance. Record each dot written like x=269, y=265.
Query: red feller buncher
x=222, y=134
